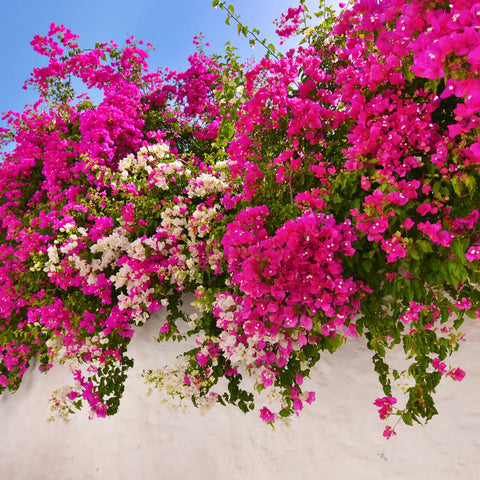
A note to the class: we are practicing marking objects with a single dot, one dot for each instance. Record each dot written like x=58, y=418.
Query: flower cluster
x=289, y=22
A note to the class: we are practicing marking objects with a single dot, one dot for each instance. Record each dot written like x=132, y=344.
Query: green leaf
x=453, y=273
x=367, y=265
x=457, y=187
x=432, y=85
x=382, y=370
x=425, y=246
x=230, y=7
x=414, y=254
x=407, y=418
x=458, y=322
x=471, y=184
x=459, y=248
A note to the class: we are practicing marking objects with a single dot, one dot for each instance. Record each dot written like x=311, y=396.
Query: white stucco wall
x=338, y=437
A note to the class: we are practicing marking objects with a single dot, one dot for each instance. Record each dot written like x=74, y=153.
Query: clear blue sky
x=169, y=25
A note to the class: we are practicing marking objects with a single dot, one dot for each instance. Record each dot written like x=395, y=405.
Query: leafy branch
x=244, y=29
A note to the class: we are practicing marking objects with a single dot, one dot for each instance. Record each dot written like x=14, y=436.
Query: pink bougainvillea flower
x=388, y=432
x=310, y=398
x=72, y=395
x=464, y=304
x=408, y=223
x=473, y=253
x=165, y=328
x=458, y=374
x=202, y=359
x=385, y=405
x=266, y=415
x=440, y=366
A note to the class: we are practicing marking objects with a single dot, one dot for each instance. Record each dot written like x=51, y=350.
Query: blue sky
x=168, y=24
